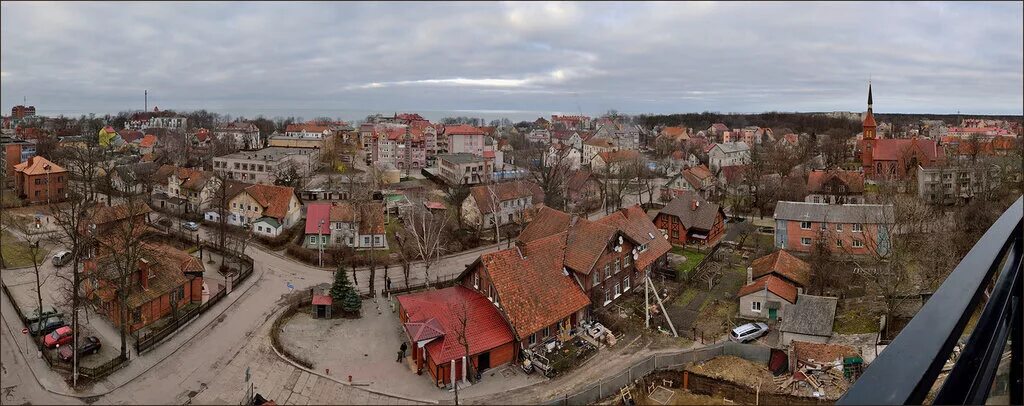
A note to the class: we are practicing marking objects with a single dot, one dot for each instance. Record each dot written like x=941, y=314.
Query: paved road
x=170, y=374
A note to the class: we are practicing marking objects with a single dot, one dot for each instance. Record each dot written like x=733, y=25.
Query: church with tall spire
x=893, y=158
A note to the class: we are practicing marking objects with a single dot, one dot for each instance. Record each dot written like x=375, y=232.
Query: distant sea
x=344, y=114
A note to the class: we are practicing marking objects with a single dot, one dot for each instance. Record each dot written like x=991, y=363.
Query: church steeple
x=869, y=125
x=869, y=96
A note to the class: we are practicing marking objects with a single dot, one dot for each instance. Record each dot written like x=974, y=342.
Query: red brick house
x=689, y=219
x=431, y=321
x=40, y=181
x=165, y=279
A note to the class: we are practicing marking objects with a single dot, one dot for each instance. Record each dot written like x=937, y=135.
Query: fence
x=152, y=338
x=610, y=385
x=94, y=373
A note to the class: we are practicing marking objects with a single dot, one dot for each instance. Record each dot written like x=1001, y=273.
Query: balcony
x=988, y=369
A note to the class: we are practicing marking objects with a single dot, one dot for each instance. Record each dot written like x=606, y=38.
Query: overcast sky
x=514, y=59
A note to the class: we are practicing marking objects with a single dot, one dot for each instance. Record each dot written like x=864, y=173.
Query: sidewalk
x=53, y=382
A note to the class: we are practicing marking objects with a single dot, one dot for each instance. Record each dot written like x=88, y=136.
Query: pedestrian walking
x=387, y=283
x=401, y=352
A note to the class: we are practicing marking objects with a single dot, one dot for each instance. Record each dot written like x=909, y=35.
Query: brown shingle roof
x=783, y=264
x=546, y=222
x=854, y=180
x=532, y=289
x=635, y=223
x=775, y=285
x=703, y=217
x=273, y=199
x=504, y=191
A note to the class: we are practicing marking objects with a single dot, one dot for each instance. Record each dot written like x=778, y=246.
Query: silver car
x=748, y=332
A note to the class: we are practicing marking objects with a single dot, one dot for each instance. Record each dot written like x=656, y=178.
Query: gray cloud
x=347, y=59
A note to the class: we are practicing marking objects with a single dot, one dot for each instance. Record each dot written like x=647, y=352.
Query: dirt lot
x=737, y=370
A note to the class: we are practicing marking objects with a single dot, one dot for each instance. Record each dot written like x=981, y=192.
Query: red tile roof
x=854, y=180
x=618, y=156
x=326, y=300
x=783, y=264
x=869, y=120
x=148, y=141
x=38, y=165
x=485, y=330
x=531, y=287
x=274, y=199
x=546, y=222
x=462, y=129
x=635, y=223
x=891, y=149
x=775, y=285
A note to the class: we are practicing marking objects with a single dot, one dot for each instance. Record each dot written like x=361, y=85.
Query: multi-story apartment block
x=464, y=139
x=464, y=168
x=848, y=229
x=265, y=165
x=305, y=135
x=403, y=146
x=954, y=184
x=245, y=134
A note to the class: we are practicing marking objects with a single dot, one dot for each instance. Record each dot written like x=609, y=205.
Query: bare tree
x=461, y=312
x=425, y=233
x=36, y=253
x=124, y=247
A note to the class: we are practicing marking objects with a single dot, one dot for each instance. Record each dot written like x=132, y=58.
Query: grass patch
x=686, y=296
x=855, y=320
x=18, y=254
x=715, y=317
x=692, y=259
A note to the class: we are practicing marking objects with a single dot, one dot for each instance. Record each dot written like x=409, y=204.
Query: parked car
x=90, y=345
x=48, y=311
x=748, y=332
x=57, y=337
x=190, y=225
x=61, y=258
x=51, y=323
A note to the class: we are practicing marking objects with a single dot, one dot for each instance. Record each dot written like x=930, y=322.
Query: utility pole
x=146, y=102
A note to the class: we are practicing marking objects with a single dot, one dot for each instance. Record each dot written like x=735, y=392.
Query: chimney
x=694, y=204
x=521, y=248
x=144, y=273
x=750, y=274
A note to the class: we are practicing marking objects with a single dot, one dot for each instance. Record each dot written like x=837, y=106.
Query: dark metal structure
x=991, y=360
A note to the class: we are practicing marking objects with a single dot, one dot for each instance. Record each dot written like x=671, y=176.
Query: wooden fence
x=151, y=338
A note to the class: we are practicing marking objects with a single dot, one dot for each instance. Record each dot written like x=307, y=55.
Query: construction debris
x=737, y=370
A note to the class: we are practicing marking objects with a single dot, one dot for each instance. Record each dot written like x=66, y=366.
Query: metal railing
x=151, y=338
x=907, y=370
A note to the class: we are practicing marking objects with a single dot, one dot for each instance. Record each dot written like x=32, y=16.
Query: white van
x=61, y=258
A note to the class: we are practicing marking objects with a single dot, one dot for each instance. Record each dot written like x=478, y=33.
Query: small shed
x=322, y=305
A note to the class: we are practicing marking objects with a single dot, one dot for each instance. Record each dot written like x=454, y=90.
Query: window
x=628, y=260
x=824, y=227
x=607, y=296
x=755, y=307
x=180, y=293
x=312, y=239
x=595, y=279
x=618, y=290
x=533, y=339
x=858, y=244
x=857, y=227
x=607, y=271
x=476, y=281
x=546, y=332
x=839, y=227
x=805, y=225
x=839, y=243
x=136, y=315
x=805, y=241
x=817, y=199
x=323, y=239
x=618, y=265
x=625, y=284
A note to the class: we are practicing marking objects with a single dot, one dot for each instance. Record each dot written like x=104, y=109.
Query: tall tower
x=869, y=125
